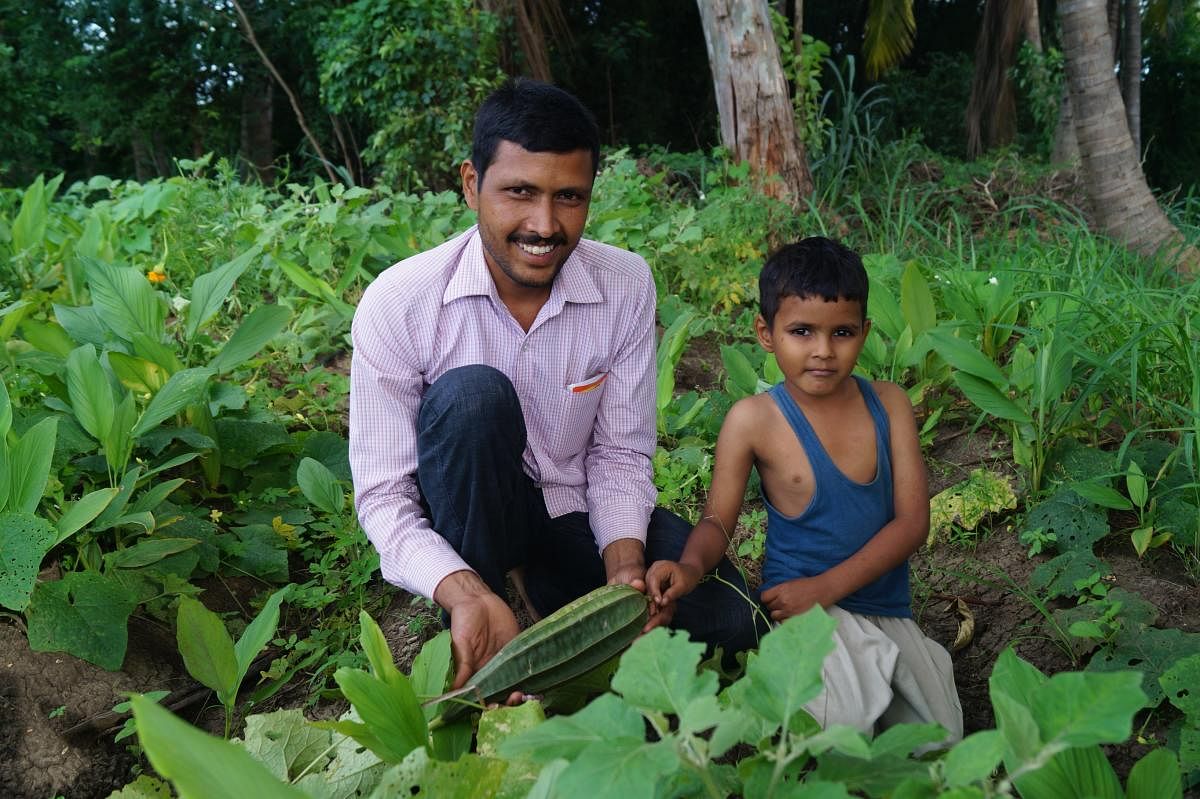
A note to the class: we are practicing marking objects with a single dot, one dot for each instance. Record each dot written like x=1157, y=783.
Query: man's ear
x=763, y=331
x=470, y=184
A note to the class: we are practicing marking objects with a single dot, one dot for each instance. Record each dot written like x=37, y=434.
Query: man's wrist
x=458, y=587
x=624, y=553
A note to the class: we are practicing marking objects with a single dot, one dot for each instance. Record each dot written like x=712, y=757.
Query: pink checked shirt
x=584, y=373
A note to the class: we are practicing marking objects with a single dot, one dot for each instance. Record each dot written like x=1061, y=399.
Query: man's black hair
x=539, y=117
x=812, y=267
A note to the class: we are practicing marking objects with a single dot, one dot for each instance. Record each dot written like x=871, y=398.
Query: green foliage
x=963, y=506
x=416, y=72
x=1040, y=77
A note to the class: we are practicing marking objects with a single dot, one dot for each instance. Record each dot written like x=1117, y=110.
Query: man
x=502, y=397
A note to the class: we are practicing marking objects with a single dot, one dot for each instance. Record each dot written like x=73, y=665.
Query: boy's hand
x=667, y=581
x=796, y=596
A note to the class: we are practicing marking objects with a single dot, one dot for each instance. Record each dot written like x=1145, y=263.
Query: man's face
x=532, y=208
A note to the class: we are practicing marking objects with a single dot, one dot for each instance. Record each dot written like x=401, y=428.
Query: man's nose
x=541, y=218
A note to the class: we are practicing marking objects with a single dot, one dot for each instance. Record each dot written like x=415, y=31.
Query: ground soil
x=58, y=735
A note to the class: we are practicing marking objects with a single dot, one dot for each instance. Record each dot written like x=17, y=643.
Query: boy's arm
x=895, y=541
x=706, y=545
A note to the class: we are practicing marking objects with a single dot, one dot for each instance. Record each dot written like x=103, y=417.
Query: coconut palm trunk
x=1120, y=198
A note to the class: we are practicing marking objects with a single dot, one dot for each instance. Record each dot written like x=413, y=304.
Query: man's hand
x=796, y=596
x=667, y=581
x=624, y=562
x=481, y=622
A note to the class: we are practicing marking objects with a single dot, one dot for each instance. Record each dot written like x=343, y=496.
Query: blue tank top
x=840, y=518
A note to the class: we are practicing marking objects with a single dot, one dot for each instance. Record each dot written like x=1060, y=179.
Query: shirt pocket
x=578, y=406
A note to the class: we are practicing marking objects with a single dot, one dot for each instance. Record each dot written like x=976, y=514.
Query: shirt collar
x=472, y=278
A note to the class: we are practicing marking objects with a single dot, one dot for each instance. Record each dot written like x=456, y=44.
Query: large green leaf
x=469, y=777
x=389, y=710
x=29, y=465
x=146, y=552
x=90, y=393
x=207, y=648
x=137, y=374
x=24, y=541
x=916, y=300
x=82, y=324
x=262, y=325
x=124, y=300
x=658, y=673
x=202, y=766
x=1179, y=684
x=259, y=632
x=83, y=614
x=5, y=412
x=606, y=718
x=741, y=377
x=118, y=444
x=1155, y=776
x=431, y=670
x=77, y=514
x=965, y=357
x=285, y=743
x=989, y=399
x=29, y=228
x=183, y=389
x=787, y=672
x=319, y=486
x=210, y=290
x=1085, y=708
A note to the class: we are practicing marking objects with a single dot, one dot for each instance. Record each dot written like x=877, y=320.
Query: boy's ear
x=763, y=331
x=866, y=326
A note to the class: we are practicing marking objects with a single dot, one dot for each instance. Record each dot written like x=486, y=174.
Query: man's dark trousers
x=470, y=440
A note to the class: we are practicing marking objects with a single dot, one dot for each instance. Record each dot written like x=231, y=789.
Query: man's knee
x=471, y=399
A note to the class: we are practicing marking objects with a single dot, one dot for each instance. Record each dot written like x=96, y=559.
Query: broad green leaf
x=286, y=743
x=83, y=614
x=904, y=739
x=787, y=672
x=48, y=337
x=379, y=654
x=29, y=465
x=1011, y=687
x=210, y=290
x=469, y=777
x=124, y=300
x=740, y=373
x=259, y=632
x=118, y=444
x=260, y=326
x=1179, y=683
x=498, y=725
x=389, y=710
x=207, y=648
x=884, y=310
x=990, y=399
x=183, y=389
x=619, y=770
x=1135, y=482
x=1083, y=772
x=1155, y=776
x=121, y=501
x=202, y=766
x=24, y=541
x=150, y=347
x=146, y=552
x=320, y=486
x=658, y=673
x=431, y=670
x=29, y=227
x=965, y=357
x=606, y=718
x=151, y=498
x=82, y=324
x=1102, y=495
x=314, y=286
x=91, y=395
x=144, y=787
x=974, y=758
x=916, y=301
x=77, y=514
x=137, y=374
x=353, y=773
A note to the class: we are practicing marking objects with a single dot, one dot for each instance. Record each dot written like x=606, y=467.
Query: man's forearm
x=458, y=587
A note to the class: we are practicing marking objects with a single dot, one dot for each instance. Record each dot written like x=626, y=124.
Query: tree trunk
x=1112, y=174
x=1033, y=25
x=1066, y=146
x=757, y=121
x=258, y=114
x=1131, y=71
x=992, y=109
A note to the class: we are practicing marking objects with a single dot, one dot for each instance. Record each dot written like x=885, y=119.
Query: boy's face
x=815, y=342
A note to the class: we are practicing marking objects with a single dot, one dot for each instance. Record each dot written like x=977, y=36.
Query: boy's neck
x=846, y=390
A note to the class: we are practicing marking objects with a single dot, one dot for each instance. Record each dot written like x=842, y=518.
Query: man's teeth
x=536, y=249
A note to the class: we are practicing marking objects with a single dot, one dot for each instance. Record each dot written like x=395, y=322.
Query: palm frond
x=889, y=34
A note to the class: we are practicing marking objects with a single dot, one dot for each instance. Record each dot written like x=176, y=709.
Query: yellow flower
x=156, y=276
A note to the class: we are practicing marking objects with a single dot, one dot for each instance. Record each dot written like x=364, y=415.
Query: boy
x=846, y=493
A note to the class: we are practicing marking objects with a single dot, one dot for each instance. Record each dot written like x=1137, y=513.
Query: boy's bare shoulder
x=748, y=413
x=894, y=398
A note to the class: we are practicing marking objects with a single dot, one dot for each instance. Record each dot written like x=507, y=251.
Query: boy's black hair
x=539, y=117
x=812, y=267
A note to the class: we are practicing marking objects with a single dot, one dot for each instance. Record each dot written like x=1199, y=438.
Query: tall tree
x=757, y=122
x=1120, y=198
x=1131, y=70
x=992, y=109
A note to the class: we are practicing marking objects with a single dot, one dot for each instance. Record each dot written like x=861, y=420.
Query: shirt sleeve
x=620, y=479
x=386, y=386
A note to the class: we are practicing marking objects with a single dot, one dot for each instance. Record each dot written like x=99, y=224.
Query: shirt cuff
x=615, y=522
x=422, y=571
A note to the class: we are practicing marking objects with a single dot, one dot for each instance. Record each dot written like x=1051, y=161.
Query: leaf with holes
x=83, y=614
x=1181, y=683
x=24, y=541
x=1149, y=650
x=1075, y=522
